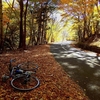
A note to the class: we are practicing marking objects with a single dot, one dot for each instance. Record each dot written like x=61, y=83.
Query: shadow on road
x=83, y=67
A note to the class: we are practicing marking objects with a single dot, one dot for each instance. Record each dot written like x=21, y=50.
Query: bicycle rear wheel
x=28, y=66
x=20, y=83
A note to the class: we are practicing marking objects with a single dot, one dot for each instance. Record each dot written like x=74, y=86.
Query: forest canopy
x=33, y=22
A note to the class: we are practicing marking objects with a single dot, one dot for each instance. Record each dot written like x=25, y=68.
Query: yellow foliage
x=5, y=5
x=65, y=1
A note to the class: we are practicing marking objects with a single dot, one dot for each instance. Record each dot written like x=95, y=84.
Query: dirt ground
x=55, y=84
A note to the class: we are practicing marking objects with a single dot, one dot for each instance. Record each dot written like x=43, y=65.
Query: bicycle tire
x=18, y=83
x=28, y=66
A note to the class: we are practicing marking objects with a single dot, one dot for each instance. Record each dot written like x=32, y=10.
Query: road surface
x=82, y=66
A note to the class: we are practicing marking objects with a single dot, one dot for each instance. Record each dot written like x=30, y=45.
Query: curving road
x=83, y=67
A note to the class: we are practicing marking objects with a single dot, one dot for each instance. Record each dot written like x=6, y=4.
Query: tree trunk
x=1, y=26
x=24, y=33
x=39, y=28
x=21, y=24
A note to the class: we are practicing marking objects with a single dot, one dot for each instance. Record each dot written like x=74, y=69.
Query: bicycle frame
x=17, y=75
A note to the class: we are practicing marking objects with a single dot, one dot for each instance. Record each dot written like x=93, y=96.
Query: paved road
x=83, y=67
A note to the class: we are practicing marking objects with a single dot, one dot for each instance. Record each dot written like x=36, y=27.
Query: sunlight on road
x=97, y=73
x=90, y=64
x=69, y=65
x=94, y=87
x=91, y=54
x=72, y=67
x=98, y=58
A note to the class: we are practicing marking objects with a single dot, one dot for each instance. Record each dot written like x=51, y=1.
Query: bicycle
x=22, y=76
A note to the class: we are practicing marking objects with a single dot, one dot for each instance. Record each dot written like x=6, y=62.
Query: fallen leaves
x=55, y=84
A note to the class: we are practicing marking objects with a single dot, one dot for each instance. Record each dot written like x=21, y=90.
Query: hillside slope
x=92, y=44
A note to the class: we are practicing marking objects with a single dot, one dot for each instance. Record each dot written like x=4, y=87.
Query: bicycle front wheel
x=20, y=83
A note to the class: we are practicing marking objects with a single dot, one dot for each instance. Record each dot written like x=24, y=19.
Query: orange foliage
x=5, y=19
x=86, y=6
x=65, y=1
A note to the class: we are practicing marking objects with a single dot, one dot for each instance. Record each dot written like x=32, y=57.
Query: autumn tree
x=39, y=18
x=82, y=11
x=24, y=33
x=1, y=26
x=10, y=24
x=18, y=12
x=21, y=24
x=97, y=17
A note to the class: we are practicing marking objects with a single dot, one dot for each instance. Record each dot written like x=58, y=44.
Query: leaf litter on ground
x=55, y=84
